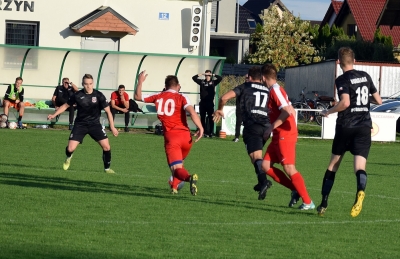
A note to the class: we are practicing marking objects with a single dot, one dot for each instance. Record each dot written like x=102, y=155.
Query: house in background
x=358, y=18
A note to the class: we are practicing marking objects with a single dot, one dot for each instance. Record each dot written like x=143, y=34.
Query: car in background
x=392, y=105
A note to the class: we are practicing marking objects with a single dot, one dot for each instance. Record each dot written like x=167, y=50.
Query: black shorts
x=355, y=140
x=95, y=131
x=253, y=137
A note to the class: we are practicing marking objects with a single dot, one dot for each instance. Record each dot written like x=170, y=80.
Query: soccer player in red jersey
x=171, y=111
x=282, y=148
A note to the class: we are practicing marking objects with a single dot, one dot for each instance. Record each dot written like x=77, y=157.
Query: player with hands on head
x=207, y=95
x=353, y=127
x=89, y=103
x=252, y=96
x=282, y=148
x=172, y=107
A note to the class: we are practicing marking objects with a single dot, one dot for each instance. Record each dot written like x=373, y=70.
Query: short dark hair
x=269, y=71
x=171, y=81
x=19, y=78
x=208, y=71
x=121, y=86
x=254, y=72
x=87, y=76
x=65, y=78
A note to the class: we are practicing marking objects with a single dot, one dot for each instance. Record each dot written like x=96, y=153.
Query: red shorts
x=281, y=151
x=177, y=145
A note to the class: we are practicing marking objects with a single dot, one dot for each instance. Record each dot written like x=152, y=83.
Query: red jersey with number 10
x=277, y=100
x=170, y=106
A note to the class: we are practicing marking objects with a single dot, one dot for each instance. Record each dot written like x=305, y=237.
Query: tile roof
x=245, y=14
x=336, y=5
x=366, y=13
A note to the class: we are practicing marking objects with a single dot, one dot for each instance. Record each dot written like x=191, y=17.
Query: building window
x=21, y=33
x=351, y=30
x=252, y=23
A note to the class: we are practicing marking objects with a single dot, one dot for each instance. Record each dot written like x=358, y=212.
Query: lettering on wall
x=10, y=5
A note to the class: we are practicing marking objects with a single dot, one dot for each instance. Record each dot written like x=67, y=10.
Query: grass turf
x=46, y=212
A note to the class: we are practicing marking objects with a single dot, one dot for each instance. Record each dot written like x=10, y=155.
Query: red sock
x=175, y=183
x=280, y=177
x=298, y=182
x=182, y=174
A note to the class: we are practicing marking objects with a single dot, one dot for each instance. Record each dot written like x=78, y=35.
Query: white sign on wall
x=229, y=120
x=384, y=126
x=163, y=16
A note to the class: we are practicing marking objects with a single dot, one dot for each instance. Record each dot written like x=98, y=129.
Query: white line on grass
x=117, y=222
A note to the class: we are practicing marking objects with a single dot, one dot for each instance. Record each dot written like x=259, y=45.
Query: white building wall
x=154, y=36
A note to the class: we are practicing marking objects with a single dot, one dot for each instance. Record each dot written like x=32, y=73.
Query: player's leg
x=98, y=134
x=6, y=106
x=71, y=113
x=360, y=150
x=69, y=150
x=203, y=113
x=126, y=121
x=210, y=111
x=21, y=109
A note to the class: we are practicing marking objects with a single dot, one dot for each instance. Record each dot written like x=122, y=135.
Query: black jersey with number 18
x=89, y=106
x=358, y=85
x=253, y=103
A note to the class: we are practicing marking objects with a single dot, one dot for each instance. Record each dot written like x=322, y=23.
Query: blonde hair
x=346, y=56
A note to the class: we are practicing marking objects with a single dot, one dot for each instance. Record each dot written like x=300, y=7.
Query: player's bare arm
x=376, y=98
x=111, y=121
x=138, y=91
x=60, y=110
x=218, y=114
x=196, y=121
x=340, y=106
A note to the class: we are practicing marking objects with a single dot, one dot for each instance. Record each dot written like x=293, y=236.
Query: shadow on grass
x=65, y=184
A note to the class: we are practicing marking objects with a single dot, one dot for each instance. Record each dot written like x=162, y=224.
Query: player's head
x=65, y=82
x=208, y=74
x=269, y=74
x=121, y=89
x=172, y=82
x=346, y=56
x=254, y=74
x=246, y=78
x=87, y=83
x=18, y=81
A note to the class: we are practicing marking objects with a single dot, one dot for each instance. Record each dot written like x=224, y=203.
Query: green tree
x=284, y=40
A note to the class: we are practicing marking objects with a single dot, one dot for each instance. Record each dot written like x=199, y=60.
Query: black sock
x=19, y=118
x=107, y=159
x=67, y=153
x=327, y=184
x=261, y=175
x=361, y=180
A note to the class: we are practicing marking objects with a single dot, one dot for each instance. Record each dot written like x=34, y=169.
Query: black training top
x=207, y=88
x=358, y=85
x=89, y=106
x=253, y=103
x=63, y=94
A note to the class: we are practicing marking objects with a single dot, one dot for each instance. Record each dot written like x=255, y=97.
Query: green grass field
x=46, y=212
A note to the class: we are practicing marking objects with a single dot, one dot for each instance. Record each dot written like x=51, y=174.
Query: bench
x=140, y=120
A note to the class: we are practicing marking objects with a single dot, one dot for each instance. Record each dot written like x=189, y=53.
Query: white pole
x=204, y=28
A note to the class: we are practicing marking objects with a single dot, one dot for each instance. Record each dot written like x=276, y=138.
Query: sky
x=306, y=9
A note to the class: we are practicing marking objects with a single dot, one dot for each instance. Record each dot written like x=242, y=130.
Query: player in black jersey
x=253, y=105
x=353, y=127
x=89, y=103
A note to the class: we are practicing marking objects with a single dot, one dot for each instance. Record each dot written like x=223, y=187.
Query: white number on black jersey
x=260, y=103
x=362, y=95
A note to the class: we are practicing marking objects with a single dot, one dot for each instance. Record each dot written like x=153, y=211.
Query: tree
x=284, y=40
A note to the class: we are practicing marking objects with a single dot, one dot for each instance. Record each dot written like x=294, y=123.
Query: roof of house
x=336, y=5
x=333, y=10
x=256, y=6
x=390, y=14
x=244, y=16
x=366, y=13
x=104, y=18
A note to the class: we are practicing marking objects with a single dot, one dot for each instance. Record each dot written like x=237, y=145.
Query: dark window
x=252, y=23
x=21, y=33
x=351, y=29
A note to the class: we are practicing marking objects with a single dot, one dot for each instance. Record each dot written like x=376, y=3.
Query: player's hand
x=142, y=76
x=125, y=110
x=199, y=134
x=114, y=131
x=267, y=133
x=324, y=113
x=50, y=117
x=217, y=115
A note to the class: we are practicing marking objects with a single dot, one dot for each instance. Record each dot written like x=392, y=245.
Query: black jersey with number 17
x=89, y=106
x=253, y=103
x=358, y=85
